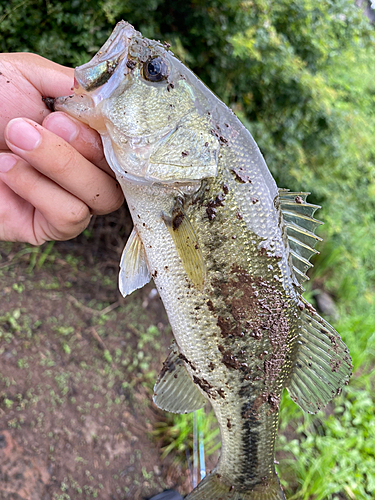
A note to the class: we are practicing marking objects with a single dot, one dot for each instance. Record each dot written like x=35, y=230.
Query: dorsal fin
x=300, y=227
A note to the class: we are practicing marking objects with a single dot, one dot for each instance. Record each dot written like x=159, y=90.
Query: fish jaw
x=112, y=56
x=97, y=79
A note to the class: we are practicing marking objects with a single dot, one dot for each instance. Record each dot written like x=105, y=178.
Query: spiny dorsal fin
x=322, y=366
x=300, y=227
x=174, y=390
x=186, y=243
x=134, y=271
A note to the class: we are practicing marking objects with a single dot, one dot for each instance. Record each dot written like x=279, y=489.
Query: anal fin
x=174, y=390
x=134, y=272
x=323, y=364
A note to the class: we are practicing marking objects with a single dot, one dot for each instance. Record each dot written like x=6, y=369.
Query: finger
x=24, y=79
x=58, y=160
x=57, y=215
x=79, y=135
x=15, y=217
x=51, y=79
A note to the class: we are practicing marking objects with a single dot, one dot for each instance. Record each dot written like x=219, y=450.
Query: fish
x=227, y=249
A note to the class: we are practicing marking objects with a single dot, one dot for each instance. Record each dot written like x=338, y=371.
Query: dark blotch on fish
x=184, y=358
x=131, y=64
x=211, y=213
x=240, y=175
x=168, y=366
x=210, y=305
x=203, y=384
x=177, y=220
x=230, y=361
x=49, y=102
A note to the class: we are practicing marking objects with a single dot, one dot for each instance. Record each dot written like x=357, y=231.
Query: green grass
x=175, y=434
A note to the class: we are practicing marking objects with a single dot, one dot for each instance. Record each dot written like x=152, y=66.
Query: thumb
x=49, y=78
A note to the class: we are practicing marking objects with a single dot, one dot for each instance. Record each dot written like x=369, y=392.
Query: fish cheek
x=189, y=153
x=146, y=108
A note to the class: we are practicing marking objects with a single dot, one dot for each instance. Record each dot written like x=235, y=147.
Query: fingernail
x=22, y=134
x=7, y=162
x=61, y=125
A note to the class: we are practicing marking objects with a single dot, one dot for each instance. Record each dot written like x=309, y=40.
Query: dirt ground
x=77, y=367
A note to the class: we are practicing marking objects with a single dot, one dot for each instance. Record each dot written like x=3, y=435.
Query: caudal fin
x=213, y=488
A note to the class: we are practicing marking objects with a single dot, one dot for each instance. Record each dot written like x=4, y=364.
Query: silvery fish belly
x=227, y=250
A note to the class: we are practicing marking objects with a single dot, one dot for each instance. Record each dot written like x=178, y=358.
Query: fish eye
x=155, y=69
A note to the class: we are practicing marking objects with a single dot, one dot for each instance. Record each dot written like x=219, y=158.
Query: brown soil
x=76, y=411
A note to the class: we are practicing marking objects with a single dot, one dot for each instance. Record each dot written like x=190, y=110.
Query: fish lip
x=114, y=49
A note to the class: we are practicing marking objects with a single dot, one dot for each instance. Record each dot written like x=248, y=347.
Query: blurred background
x=78, y=363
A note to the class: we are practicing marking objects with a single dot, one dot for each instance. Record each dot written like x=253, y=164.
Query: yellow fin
x=187, y=246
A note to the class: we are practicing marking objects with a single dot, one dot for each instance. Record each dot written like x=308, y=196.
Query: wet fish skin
x=214, y=232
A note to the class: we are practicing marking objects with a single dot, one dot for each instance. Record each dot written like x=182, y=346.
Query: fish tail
x=213, y=488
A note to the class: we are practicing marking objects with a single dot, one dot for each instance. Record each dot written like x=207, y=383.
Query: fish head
x=152, y=112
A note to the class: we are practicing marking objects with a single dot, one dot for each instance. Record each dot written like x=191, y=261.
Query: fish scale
x=226, y=248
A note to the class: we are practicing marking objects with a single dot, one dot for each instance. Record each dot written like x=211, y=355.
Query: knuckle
x=73, y=221
x=110, y=203
x=65, y=161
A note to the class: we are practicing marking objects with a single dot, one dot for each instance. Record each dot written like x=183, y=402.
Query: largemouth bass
x=226, y=248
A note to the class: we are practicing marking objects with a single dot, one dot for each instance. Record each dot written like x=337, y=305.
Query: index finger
x=61, y=162
x=79, y=135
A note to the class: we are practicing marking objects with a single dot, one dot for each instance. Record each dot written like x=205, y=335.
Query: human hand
x=53, y=174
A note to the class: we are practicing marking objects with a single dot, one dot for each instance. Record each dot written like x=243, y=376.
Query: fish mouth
x=97, y=79
x=114, y=53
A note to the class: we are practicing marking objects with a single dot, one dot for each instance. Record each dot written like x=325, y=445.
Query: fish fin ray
x=322, y=366
x=213, y=488
x=300, y=228
x=134, y=272
x=301, y=249
x=187, y=246
x=301, y=276
x=174, y=390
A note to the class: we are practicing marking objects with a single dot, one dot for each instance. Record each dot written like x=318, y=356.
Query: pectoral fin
x=186, y=243
x=322, y=367
x=174, y=390
x=134, y=271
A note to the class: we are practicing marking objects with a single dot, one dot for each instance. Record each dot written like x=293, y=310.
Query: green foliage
x=331, y=454
x=176, y=433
